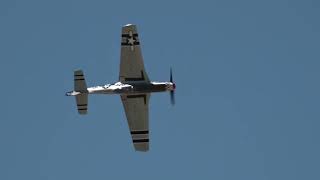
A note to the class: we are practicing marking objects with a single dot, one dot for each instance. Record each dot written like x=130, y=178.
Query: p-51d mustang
x=134, y=87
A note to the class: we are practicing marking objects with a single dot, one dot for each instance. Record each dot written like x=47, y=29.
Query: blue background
x=247, y=75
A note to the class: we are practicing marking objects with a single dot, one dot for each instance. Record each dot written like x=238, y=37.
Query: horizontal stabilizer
x=82, y=103
x=79, y=81
x=80, y=87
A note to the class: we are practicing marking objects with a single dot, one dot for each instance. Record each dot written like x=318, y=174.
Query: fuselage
x=135, y=87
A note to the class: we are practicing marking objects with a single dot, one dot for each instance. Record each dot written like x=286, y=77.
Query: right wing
x=137, y=113
x=131, y=61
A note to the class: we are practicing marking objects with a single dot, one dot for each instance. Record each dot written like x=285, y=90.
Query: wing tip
x=127, y=25
x=142, y=147
x=141, y=144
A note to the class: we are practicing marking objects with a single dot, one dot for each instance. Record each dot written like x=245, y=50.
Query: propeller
x=172, y=94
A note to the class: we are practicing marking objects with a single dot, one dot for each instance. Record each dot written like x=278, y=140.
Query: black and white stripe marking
x=82, y=107
x=78, y=77
x=128, y=35
x=140, y=132
x=140, y=140
x=140, y=136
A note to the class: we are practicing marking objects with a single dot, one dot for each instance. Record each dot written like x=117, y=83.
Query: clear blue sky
x=247, y=75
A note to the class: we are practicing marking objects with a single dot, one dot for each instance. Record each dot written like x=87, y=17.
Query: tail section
x=81, y=87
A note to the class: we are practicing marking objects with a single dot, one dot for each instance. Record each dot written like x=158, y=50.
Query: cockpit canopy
x=106, y=86
x=118, y=84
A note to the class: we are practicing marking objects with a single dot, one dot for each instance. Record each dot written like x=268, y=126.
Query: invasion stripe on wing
x=140, y=140
x=140, y=132
x=81, y=104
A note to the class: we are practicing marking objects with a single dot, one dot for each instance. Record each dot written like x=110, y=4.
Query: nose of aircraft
x=172, y=96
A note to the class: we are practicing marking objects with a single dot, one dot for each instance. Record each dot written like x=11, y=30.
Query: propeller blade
x=172, y=94
x=172, y=97
x=171, y=79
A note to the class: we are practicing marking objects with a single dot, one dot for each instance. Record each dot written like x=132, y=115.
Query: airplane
x=134, y=88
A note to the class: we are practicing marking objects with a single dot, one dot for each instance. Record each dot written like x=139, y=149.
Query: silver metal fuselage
x=134, y=87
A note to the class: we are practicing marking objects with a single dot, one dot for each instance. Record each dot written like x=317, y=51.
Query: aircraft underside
x=118, y=88
x=137, y=88
x=134, y=88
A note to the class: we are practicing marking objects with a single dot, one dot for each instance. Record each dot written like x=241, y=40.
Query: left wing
x=131, y=61
x=137, y=113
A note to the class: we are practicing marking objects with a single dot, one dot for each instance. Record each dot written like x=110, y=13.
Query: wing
x=131, y=62
x=137, y=113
